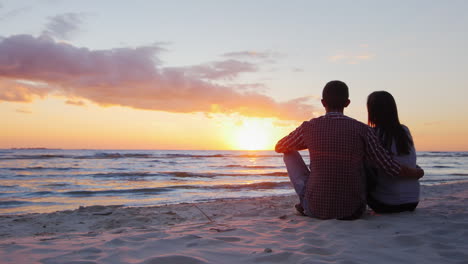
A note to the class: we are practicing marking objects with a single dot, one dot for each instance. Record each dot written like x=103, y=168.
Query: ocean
x=47, y=180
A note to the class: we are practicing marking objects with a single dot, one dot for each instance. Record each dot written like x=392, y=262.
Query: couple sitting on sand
x=352, y=164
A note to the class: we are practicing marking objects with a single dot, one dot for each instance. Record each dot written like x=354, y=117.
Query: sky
x=224, y=74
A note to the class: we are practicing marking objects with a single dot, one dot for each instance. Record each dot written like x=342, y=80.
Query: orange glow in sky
x=53, y=124
x=73, y=80
x=254, y=135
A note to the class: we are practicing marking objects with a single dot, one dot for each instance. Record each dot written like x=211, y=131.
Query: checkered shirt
x=338, y=146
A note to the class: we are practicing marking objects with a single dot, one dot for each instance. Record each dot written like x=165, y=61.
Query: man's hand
x=410, y=173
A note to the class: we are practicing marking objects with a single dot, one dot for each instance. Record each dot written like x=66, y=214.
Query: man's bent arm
x=378, y=154
x=292, y=142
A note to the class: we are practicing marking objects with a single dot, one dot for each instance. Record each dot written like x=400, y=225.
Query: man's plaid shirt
x=338, y=146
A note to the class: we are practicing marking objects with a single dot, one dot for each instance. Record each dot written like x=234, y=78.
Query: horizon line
x=155, y=149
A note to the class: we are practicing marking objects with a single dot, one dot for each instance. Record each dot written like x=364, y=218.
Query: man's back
x=337, y=148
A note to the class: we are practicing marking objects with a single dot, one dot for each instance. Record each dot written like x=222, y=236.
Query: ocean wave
x=147, y=191
x=39, y=194
x=40, y=156
x=459, y=174
x=441, y=181
x=247, y=186
x=115, y=155
x=177, y=155
x=443, y=154
x=55, y=185
x=250, y=166
x=13, y=203
x=185, y=174
x=257, y=156
x=441, y=167
x=100, y=155
x=16, y=203
x=277, y=174
x=41, y=168
x=8, y=186
x=123, y=174
x=144, y=191
x=255, y=186
x=118, y=155
x=181, y=174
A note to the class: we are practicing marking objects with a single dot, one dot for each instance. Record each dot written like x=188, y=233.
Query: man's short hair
x=335, y=94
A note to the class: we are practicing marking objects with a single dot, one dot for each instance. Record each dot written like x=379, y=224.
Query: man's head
x=335, y=96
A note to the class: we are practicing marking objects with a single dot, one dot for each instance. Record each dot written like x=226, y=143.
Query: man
x=338, y=145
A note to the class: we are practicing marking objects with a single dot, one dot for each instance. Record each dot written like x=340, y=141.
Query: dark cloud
x=130, y=77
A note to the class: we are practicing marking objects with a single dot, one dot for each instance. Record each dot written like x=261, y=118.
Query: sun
x=254, y=135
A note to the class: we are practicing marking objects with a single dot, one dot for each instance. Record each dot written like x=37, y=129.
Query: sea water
x=47, y=180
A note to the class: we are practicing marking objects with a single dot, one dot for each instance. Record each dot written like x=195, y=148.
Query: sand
x=259, y=230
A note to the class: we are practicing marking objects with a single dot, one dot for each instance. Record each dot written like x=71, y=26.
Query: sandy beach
x=259, y=230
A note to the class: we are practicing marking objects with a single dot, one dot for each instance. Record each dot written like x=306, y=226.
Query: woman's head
x=382, y=110
x=383, y=115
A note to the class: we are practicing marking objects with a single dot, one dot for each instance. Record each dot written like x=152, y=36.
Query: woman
x=386, y=194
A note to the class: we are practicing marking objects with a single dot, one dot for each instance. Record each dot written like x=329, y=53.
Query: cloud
x=228, y=69
x=20, y=91
x=14, y=13
x=130, y=77
x=251, y=86
x=75, y=102
x=63, y=26
x=250, y=55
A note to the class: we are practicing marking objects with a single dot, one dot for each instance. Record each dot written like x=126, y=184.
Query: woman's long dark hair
x=383, y=115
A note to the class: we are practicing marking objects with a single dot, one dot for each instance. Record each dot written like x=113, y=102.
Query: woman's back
x=397, y=191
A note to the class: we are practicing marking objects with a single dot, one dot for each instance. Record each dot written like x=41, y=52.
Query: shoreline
x=423, y=187
x=252, y=230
